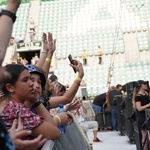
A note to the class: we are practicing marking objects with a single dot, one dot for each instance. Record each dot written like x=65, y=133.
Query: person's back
x=98, y=103
x=112, y=95
x=100, y=99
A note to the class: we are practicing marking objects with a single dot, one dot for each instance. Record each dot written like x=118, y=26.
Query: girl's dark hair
x=15, y=71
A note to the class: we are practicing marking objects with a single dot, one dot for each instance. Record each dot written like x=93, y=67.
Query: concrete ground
x=112, y=140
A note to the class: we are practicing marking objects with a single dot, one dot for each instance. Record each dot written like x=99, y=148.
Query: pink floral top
x=28, y=118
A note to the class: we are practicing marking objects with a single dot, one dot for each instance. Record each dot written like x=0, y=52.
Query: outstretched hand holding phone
x=72, y=62
x=77, y=65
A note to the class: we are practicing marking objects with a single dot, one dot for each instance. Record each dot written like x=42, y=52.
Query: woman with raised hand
x=69, y=95
x=19, y=89
x=60, y=90
x=49, y=46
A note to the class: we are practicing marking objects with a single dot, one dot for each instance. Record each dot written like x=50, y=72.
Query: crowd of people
x=106, y=101
x=27, y=96
x=29, y=99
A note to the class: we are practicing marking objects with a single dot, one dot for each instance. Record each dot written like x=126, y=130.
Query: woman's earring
x=12, y=94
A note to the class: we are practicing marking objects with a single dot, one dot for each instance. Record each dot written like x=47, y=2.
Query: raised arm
x=43, y=53
x=49, y=46
x=6, y=24
x=69, y=95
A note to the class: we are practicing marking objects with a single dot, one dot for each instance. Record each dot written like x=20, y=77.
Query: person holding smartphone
x=49, y=45
x=72, y=62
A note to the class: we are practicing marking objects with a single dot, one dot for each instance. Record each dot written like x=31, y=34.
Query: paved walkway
x=112, y=140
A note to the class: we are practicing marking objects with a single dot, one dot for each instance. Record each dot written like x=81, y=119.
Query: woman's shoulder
x=11, y=108
x=142, y=95
x=29, y=119
x=138, y=97
x=14, y=103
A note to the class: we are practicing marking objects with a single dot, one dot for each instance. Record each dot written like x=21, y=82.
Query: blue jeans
x=113, y=118
x=97, y=109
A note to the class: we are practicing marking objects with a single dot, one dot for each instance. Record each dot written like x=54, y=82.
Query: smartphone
x=71, y=61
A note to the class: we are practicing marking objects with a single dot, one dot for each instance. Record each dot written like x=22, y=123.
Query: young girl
x=39, y=80
x=18, y=90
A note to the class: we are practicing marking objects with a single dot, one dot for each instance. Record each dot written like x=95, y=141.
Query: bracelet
x=58, y=119
x=36, y=104
x=9, y=14
x=78, y=79
x=48, y=60
x=77, y=82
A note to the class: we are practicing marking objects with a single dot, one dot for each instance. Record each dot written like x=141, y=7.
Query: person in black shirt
x=98, y=103
x=114, y=91
x=142, y=102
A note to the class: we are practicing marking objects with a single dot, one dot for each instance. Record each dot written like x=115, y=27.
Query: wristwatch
x=9, y=14
x=36, y=104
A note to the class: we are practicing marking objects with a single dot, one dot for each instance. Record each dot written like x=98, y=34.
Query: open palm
x=49, y=44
